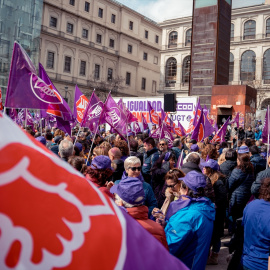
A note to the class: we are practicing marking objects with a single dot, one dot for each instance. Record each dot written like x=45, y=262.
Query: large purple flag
x=266, y=127
x=80, y=104
x=208, y=128
x=130, y=117
x=144, y=123
x=13, y=114
x=63, y=125
x=236, y=120
x=198, y=111
x=91, y=118
x=114, y=116
x=25, y=89
x=136, y=127
x=153, y=115
x=199, y=130
x=220, y=136
x=163, y=133
x=60, y=108
x=180, y=131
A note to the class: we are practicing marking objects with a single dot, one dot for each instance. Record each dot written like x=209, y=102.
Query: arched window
x=267, y=30
x=171, y=71
x=232, y=32
x=248, y=66
x=173, y=39
x=266, y=67
x=250, y=29
x=188, y=37
x=186, y=70
x=231, y=67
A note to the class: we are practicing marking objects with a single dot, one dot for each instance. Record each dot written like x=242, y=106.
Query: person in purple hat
x=100, y=173
x=190, y=222
x=218, y=180
x=41, y=139
x=129, y=193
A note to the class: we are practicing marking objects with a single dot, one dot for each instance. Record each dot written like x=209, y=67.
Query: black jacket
x=258, y=163
x=250, y=135
x=255, y=188
x=190, y=166
x=227, y=167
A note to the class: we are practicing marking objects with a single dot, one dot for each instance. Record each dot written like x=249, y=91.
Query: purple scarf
x=125, y=176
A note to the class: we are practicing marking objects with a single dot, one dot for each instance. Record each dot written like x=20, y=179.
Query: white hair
x=66, y=149
x=125, y=204
x=131, y=161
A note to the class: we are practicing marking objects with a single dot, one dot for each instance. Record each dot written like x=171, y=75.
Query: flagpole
x=127, y=138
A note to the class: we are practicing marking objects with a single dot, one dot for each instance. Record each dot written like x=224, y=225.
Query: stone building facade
x=249, y=52
x=99, y=44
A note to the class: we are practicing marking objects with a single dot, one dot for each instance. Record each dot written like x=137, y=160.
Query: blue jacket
x=255, y=188
x=189, y=233
x=258, y=163
x=149, y=158
x=256, y=222
x=258, y=135
x=150, y=199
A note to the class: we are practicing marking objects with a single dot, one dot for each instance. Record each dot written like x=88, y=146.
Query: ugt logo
x=81, y=105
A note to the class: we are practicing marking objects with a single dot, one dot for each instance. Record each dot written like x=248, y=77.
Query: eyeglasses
x=135, y=168
x=171, y=186
x=162, y=144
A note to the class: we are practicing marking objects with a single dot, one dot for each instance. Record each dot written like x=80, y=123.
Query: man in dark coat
x=257, y=161
x=250, y=134
x=192, y=164
x=230, y=163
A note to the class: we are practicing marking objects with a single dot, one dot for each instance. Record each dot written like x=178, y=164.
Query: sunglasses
x=162, y=144
x=135, y=168
x=171, y=186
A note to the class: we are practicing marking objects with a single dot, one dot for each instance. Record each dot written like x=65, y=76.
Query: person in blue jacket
x=256, y=222
x=133, y=169
x=190, y=221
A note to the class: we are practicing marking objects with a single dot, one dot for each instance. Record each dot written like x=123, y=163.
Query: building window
x=186, y=70
x=53, y=22
x=128, y=78
x=170, y=72
x=113, y=18
x=157, y=39
x=145, y=56
x=72, y=2
x=129, y=48
x=267, y=30
x=97, y=71
x=110, y=74
x=143, y=83
x=173, y=39
x=248, y=66
x=85, y=33
x=188, y=37
x=50, y=60
x=111, y=44
x=154, y=86
x=86, y=6
x=82, y=68
x=67, y=67
x=266, y=67
x=231, y=67
x=100, y=13
x=99, y=38
x=70, y=28
x=155, y=60
x=130, y=25
x=232, y=32
x=250, y=29
x=146, y=34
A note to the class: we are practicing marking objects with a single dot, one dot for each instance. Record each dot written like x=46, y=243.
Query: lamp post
x=67, y=91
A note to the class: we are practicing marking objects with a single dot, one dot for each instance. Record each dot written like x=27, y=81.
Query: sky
x=160, y=10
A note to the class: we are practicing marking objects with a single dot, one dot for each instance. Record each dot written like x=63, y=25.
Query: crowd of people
x=185, y=208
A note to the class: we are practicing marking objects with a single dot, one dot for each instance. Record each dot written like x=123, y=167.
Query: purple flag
x=136, y=127
x=266, y=127
x=153, y=115
x=208, y=128
x=91, y=118
x=236, y=120
x=220, y=136
x=13, y=114
x=80, y=104
x=130, y=117
x=163, y=133
x=198, y=111
x=43, y=114
x=199, y=130
x=144, y=123
x=114, y=116
x=180, y=161
x=60, y=108
x=63, y=125
x=180, y=131
x=29, y=119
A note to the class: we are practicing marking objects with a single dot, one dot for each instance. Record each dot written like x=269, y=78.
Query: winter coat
x=177, y=152
x=256, y=222
x=150, y=200
x=137, y=154
x=140, y=213
x=239, y=189
x=190, y=166
x=258, y=135
x=149, y=158
x=250, y=135
x=227, y=167
x=189, y=232
x=255, y=188
x=258, y=163
x=241, y=135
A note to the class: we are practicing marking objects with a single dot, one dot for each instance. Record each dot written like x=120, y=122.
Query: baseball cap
x=211, y=163
x=194, y=180
x=130, y=190
x=194, y=148
x=243, y=149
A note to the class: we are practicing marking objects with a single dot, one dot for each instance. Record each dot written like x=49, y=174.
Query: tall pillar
x=210, y=49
